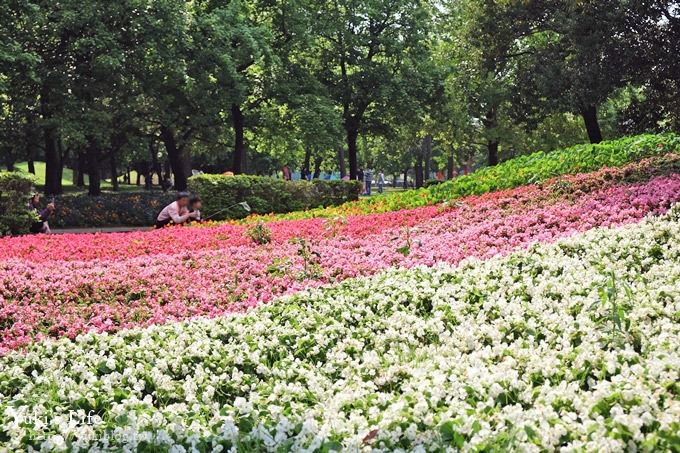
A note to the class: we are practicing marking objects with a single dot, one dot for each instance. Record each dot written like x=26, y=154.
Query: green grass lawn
x=67, y=179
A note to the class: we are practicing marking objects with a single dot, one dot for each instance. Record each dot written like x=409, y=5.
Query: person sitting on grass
x=176, y=212
x=41, y=226
x=195, y=206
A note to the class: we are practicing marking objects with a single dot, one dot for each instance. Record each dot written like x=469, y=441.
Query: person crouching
x=176, y=212
x=195, y=206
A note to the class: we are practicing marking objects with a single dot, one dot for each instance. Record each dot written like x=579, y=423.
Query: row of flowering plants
x=107, y=286
x=571, y=345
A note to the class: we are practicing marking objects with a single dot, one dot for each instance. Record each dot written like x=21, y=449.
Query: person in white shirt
x=381, y=181
x=176, y=212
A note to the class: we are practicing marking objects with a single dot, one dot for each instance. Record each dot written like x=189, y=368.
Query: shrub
x=260, y=233
x=109, y=209
x=15, y=192
x=221, y=194
x=432, y=182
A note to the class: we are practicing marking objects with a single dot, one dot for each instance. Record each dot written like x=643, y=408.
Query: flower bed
x=61, y=298
x=572, y=345
x=171, y=241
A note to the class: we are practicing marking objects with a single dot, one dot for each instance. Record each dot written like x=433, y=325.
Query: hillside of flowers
x=67, y=285
x=530, y=317
x=570, y=346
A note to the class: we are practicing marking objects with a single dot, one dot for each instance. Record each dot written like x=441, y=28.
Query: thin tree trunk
x=317, y=167
x=52, y=157
x=63, y=157
x=589, y=115
x=9, y=160
x=341, y=162
x=93, y=170
x=81, y=169
x=305, y=163
x=114, y=173
x=238, y=122
x=406, y=178
x=427, y=156
x=492, y=147
x=450, y=167
x=176, y=158
x=352, y=135
x=30, y=146
x=419, y=171
x=52, y=164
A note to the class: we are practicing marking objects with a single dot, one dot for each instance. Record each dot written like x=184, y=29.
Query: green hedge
x=15, y=193
x=109, y=209
x=268, y=195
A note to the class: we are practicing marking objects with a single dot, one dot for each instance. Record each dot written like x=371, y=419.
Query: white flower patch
x=571, y=346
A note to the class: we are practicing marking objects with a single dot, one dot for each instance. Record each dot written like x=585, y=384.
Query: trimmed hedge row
x=109, y=209
x=267, y=195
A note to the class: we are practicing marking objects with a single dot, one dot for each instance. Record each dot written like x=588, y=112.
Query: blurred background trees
x=416, y=88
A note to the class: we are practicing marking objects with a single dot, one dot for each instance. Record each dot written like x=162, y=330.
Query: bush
x=267, y=195
x=432, y=182
x=260, y=233
x=109, y=209
x=15, y=193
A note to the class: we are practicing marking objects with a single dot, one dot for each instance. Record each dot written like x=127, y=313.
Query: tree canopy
x=407, y=86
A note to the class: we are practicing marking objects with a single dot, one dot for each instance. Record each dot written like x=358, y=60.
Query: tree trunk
x=114, y=173
x=52, y=164
x=352, y=135
x=427, y=156
x=406, y=178
x=341, y=162
x=239, y=144
x=317, y=167
x=82, y=169
x=450, y=167
x=93, y=170
x=30, y=146
x=419, y=170
x=589, y=115
x=52, y=157
x=9, y=160
x=305, y=163
x=492, y=147
x=176, y=158
x=63, y=157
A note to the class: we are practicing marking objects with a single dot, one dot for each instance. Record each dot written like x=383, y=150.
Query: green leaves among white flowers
x=512, y=353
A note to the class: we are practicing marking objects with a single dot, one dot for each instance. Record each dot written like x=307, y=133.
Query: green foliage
x=260, y=233
x=15, y=192
x=221, y=194
x=526, y=169
x=539, y=166
x=109, y=209
x=432, y=182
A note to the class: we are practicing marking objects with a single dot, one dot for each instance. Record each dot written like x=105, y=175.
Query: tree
x=362, y=49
